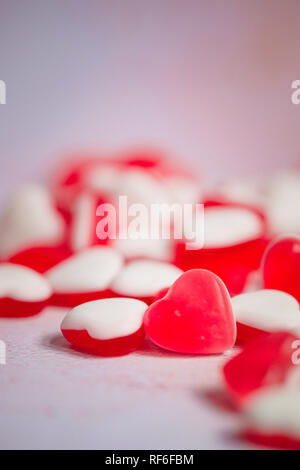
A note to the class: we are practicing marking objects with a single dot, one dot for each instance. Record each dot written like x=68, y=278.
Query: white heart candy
x=21, y=283
x=90, y=270
x=30, y=219
x=267, y=310
x=226, y=226
x=159, y=249
x=144, y=278
x=107, y=318
x=275, y=411
x=83, y=222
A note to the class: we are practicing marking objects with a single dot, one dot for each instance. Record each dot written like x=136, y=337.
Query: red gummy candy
x=194, y=317
x=263, y=362
x=281, y=266
x=161, y=294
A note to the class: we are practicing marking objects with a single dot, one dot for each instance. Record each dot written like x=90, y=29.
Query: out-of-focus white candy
x=104, y=179
x=145, y=248
x=267, y=310
x=244, y=191
x=29, y=219
x=278, y=195
x=275, y=411
x=182, y=190
x=139, y=186
x=83, y=222
x=107, y=318
x=283, y=203
x=89, y=270
x=21, y=283
x=142, y=188
x=226, y=226
x=144, y=278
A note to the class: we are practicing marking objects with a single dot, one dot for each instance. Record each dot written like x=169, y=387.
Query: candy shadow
x=58, y=343
x=217, y=398
x=150, y=349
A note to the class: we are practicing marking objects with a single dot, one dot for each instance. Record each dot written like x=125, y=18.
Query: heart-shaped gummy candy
x=194, y=317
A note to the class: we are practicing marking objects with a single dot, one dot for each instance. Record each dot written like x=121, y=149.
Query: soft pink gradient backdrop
x=210, y=81
x=207, y=79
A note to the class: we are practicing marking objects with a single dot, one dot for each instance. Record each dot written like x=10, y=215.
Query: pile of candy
x=242, y=286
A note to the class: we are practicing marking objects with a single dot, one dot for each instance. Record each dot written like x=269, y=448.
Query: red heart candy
x=281, y=266
x=194, y=317
x=265, y=361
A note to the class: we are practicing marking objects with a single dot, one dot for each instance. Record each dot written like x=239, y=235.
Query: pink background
x=208, y=80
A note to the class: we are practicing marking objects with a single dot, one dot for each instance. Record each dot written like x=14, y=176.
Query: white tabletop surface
x=53, y=397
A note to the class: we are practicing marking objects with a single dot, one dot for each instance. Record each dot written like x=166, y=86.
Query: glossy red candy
x=234, y=242
x=161, y=293
x=23, y=292
x=108, y=327
x=264, y=362
x=194, y=317
x=281, y=266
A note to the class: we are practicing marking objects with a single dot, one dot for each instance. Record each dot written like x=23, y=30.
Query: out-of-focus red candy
x=273, y=418
x=23, y=292
x=194, y=317
x=265, y=311
x=145, y=177
x=142, y=279
x=234, y=242
x=130, y=174
x=109, y=327
x=41, y=258
x=264, y=362
x=68, y=182
x=281, y=266
x=84, y=276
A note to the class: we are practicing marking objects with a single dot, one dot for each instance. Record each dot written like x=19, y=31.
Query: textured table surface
x=55, y=397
